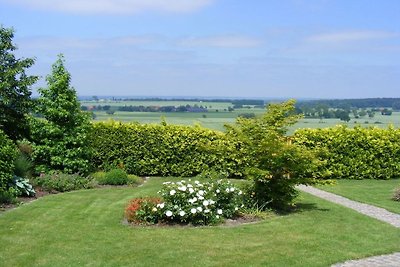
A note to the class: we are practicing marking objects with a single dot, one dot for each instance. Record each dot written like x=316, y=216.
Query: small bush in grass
x=134, y=180
x=196, y=203
x=396, y=195
x=114, y=177
x=62, y=182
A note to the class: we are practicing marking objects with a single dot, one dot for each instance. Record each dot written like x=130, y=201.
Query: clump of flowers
x=197, y=203
x=141, y=210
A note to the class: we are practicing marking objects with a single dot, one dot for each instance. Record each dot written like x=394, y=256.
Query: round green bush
x=115, y=177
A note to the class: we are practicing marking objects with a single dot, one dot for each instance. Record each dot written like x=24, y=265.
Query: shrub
x=165, y=150
x=396, y=195
x=114, y=177
x=197, y=203
x=134, y=179
x=8, y=154
x=276, y=164
x=62, y=182
x=355, y=153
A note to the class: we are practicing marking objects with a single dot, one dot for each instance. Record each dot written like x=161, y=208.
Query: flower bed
x=186, y=202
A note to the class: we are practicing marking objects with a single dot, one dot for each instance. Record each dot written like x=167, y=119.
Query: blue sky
x=257, y=48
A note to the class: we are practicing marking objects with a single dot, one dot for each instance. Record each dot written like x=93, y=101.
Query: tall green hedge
x=8, y=153
x=167, y=150
x=355, y=153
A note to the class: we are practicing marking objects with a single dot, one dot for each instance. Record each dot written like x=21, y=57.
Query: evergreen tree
x=61, y=138
x=15, y=101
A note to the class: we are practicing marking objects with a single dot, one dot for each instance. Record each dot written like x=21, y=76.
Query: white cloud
x=113, y=6
x=221, y=41
x=351, y=36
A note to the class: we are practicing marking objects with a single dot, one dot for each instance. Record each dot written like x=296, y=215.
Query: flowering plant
x=142, y=210
x=196, y=203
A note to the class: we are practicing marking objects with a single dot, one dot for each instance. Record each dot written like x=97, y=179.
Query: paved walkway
x=369, y=210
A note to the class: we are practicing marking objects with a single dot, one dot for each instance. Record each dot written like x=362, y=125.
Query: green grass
x=374, y=192
x=84, y=228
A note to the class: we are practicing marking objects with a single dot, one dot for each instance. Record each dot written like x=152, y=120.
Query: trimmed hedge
x=166, y=150
x=356, y=153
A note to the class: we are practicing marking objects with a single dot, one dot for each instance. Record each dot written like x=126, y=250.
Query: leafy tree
x=277, y=165
x=15, y=101
x=60, y=139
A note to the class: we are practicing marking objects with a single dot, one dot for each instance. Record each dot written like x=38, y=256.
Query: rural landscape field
x=200, y=133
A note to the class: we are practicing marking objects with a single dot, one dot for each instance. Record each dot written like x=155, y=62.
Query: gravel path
x=390, y=260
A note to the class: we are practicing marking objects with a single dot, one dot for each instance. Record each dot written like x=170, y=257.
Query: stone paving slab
x=369, y=210
x=390, y=260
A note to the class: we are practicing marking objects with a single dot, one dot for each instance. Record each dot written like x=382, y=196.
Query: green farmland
x=218, y=115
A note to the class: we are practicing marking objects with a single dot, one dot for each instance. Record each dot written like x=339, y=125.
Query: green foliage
x=23, y=186
x=356, y=153
x=63, y=182
x=60, y=140
x=166, y=150
x=114, y=177
x=277, y=165
x=8, y=154
x=15, y=101
x=186, y=202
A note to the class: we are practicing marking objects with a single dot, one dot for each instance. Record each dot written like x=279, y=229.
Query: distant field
x=218, y=115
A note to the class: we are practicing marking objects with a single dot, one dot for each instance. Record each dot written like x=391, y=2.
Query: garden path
x=369, y=210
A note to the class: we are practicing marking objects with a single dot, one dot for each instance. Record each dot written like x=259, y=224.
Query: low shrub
x=62, y=182
x=186, y=202
x=396, y=195
x=134, y=179
x=114, y=177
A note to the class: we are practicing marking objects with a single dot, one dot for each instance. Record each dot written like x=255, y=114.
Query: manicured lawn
x=84, y=228
x=374, y=192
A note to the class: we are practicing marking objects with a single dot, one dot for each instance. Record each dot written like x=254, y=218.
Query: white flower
x=212, y=202
x=196, y=182
x=232, y=189
x=154, y=209
x=165, y=183
x=193, y=210
x=200, y=209
x=217, y=216
x=190, y=201
x=217, y=191
x=219, y=211
x=206, y=203
x=161, y=205
x=182, y=213
x=206, y=211
x=227, y=190
x=168, y=213
x=236, y=208
x=194, y=199
x=240, y=192
x=191, y=190
x=182, y=188
x=189, y=185
x=172, y=192
x=201, y=197
x=201, y=192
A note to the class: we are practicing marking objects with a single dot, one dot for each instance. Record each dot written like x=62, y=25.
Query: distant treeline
x=348, y=104
x=187, y=108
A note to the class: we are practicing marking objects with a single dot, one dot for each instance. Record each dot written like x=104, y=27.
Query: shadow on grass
x=301, y=208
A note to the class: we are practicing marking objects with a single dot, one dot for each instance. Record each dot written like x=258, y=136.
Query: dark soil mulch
x=22, y=200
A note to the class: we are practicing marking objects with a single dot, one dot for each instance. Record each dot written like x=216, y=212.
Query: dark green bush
x=166, y=150
x=355, y=153
x=114, y=177
x=8, y=154
x=62, y=182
